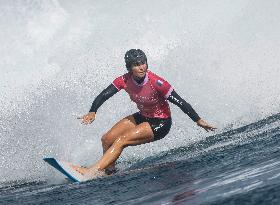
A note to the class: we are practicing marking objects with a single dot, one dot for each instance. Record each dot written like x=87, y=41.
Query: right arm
x=99, y=100
x=102, y=97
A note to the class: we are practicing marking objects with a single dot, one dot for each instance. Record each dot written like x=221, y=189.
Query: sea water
x=222, y=57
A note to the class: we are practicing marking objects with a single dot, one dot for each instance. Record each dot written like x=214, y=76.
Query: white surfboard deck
x=65, y=168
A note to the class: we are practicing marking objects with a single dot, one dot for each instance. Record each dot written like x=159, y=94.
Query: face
x=139, y=70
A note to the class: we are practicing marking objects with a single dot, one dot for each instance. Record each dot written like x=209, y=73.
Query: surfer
x=153, y=121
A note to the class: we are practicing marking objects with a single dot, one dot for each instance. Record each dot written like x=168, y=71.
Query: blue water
x=222, y=57
x=240, y=166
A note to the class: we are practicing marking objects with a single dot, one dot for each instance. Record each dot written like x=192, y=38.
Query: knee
x=105, y=139
x=121, y=142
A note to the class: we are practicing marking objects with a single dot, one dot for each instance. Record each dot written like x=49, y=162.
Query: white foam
x=55, y=57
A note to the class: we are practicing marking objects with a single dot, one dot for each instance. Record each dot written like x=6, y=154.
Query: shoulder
x=123, y=77
x=126, y=76
x=160, y=84
x=156, y=80
x=120, y=81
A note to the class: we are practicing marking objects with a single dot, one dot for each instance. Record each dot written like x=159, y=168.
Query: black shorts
x=160, y=126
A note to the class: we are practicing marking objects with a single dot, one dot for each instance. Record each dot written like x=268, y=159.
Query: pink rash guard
x=150, y=96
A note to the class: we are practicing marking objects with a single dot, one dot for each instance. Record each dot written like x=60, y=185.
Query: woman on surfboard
x=153, y=121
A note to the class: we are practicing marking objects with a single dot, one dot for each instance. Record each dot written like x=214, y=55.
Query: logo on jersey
x=159, y=83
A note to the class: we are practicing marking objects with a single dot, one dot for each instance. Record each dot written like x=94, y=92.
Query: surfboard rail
x=64, y=168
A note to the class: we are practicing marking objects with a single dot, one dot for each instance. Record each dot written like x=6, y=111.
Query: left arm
x=187, y=109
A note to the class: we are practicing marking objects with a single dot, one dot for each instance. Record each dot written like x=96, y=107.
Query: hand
x=88, y=118
x=204, y=125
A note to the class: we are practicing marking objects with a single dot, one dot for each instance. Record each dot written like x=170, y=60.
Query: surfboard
x=65, y=168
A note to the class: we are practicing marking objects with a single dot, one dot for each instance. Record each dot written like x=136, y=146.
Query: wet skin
x=123, y=134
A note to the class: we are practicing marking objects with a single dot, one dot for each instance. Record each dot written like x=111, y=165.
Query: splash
x=56, y=56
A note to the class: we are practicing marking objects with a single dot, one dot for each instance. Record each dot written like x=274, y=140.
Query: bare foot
x=94, y=173
x=81, y=170
x=110, y=171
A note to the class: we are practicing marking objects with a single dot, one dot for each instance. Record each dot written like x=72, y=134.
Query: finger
x=90, y=121
x=87, y=121
x=84, y=122
x=212, y=128
x=81, y=117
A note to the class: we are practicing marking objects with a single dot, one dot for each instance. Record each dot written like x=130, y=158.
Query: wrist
x=92, y=113
x=199, y=120
x=93, y=110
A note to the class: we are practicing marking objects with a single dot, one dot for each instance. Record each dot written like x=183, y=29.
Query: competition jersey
x=150, y=96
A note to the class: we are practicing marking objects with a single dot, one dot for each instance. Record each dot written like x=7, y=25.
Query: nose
x=142, y=67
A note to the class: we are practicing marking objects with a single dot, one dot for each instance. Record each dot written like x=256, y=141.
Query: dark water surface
x=241, y=166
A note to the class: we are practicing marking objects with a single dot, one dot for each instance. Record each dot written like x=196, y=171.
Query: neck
x=139, y=80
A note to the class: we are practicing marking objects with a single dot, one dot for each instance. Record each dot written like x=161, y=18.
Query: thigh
x=120, y=128
x=140, y=134
x=160, y=127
